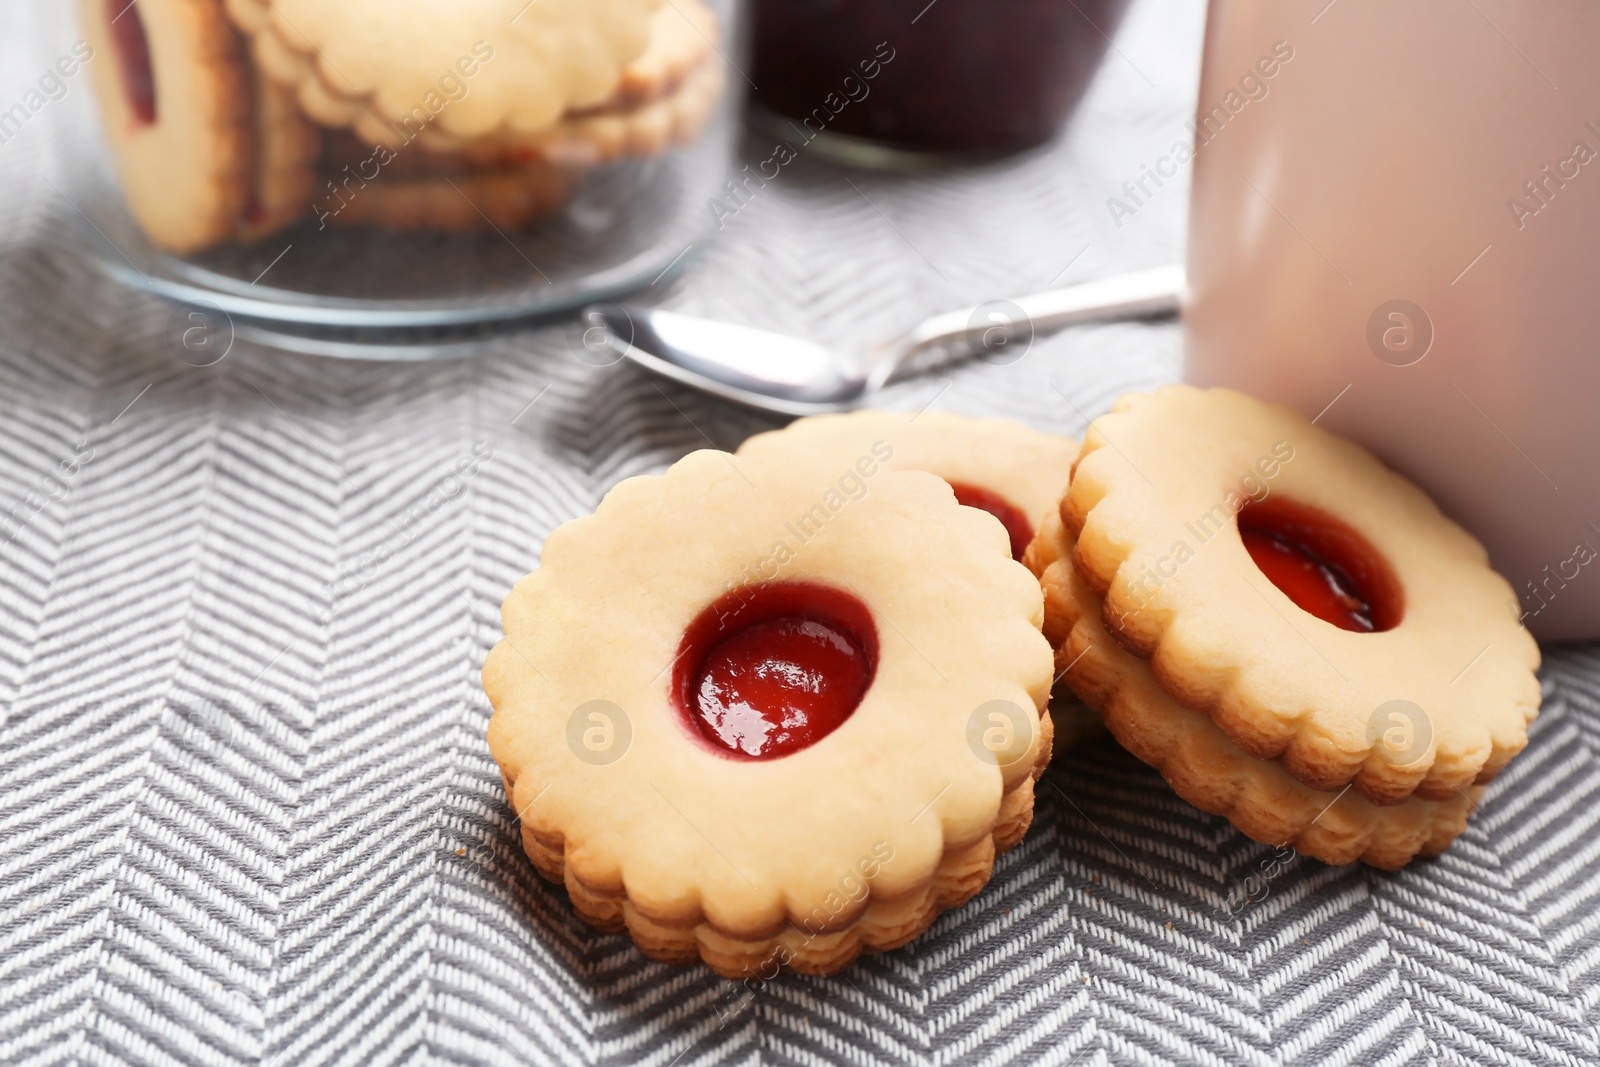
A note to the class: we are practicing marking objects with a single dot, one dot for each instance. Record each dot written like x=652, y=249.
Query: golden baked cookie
x=665, y=97
x=772, y=710
x=682, y=36
x=503, y=198
x=472, y=68
x=1198, y=760
x=284, y=154
x=344, y=151
x=599, y=136
x=295, y=71
x=651, y=108
x=1012, y=471
x=174, y=100
x=1382, y=650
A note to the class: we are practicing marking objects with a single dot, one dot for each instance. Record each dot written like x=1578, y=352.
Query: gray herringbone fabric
x=246, y=810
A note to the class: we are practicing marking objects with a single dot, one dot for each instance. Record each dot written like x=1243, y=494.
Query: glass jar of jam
x=947, y=77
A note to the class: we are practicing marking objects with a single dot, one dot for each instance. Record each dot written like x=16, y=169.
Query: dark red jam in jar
x=954, y=76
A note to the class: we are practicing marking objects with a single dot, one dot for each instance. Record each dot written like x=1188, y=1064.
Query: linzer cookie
x=664, y=97
x=682, y=41
x=681, y=38
x=502, y=198
x=298, y=75
x=780, y=771
x=1318, y=607
x=415, y=189
x=1010, y=470
x=345, y=156
x=601, y=136
x=174, y=99
x=1199, y=761
x=283, y=153
x=519, y=66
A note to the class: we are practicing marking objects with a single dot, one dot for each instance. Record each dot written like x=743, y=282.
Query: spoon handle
x=993, y=327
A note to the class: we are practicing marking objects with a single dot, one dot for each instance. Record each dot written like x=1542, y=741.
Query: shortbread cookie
x=175, y=103
x=284, y=156
x=652, y=107
x=344, y=151
x=473, y=68
x=1199, y=761
x=297, y=73
x=1010, y=470
x=504, y=199
x=757, y=717
x=647, y=130
x=1390, y=605
x=594, y=137
x=249, y=15
x=682, y=36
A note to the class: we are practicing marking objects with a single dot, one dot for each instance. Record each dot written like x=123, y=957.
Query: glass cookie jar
x=429, y=165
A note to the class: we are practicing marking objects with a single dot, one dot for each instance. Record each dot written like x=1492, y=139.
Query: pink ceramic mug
x=1397, y=230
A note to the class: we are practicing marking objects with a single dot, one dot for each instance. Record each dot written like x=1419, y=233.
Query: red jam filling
x=133, y=59
x=768, y=670
x=1011, y=517
x=1325, y=567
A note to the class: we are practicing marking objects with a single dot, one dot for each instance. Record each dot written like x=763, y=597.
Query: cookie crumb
x=1169, y=926
x=1005, y=911
x=461, y=852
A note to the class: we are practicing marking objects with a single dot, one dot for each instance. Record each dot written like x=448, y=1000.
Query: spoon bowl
x=775, y=372
x=741, y=363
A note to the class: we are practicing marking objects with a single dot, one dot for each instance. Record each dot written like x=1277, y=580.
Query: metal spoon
x=795, y=377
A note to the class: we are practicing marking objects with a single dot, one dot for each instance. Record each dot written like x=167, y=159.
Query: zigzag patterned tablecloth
x=239, y=826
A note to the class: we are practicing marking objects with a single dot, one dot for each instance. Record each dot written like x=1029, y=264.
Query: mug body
x=1395, y=226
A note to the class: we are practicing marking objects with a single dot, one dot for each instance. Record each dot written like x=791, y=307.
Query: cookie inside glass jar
x=333, y=170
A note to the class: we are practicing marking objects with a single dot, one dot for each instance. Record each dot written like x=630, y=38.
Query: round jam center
x=1326, y=568
x=771, y=669
x=133, y=59
x=1018, y=528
